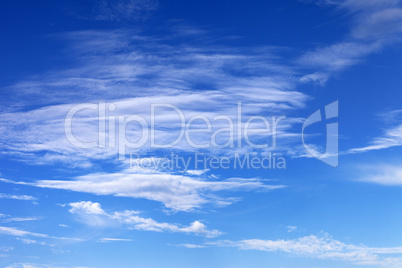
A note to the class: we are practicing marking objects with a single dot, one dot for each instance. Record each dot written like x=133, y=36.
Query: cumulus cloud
x=86, y=207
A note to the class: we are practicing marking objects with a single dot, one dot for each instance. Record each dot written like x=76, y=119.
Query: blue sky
x=145, y=133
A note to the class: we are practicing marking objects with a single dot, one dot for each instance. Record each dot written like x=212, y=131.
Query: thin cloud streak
x=88, y=210
x=18, y=197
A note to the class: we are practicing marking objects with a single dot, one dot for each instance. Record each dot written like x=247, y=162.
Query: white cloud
x=325, y=247
x=191, y=246
x=35, y=265
x=31, y=241
x=111, y=66
x=320, y=78
x=17, y=232
x=375, y=24
x=197, y=172
x=18, y=219
x=382, y=174
x=336, y=57
x=131, y=218
x=24, y=265
x=22, y=234
x=43, y=139
x=391, y=138
x=86, y=207
x=106, y=239
x=291, y=228
x=17, y=197
x=386, y=23
x=6, y=249
x=321, y=247
x=91, y=214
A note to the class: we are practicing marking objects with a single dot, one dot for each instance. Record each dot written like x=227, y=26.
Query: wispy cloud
x=18, y=197
x=17, y=232
x=131, y=218
x=291, y=228
x=33, y=242
x=384, y=174
x=28, y=237
x=136, y=70
x=106, y=239
x=336, y=57
x=36, y=265
x=375, y=24
x=191, y=246
x=18, y=219
x=391, y=138
x=320, y=247
x=133, y=71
